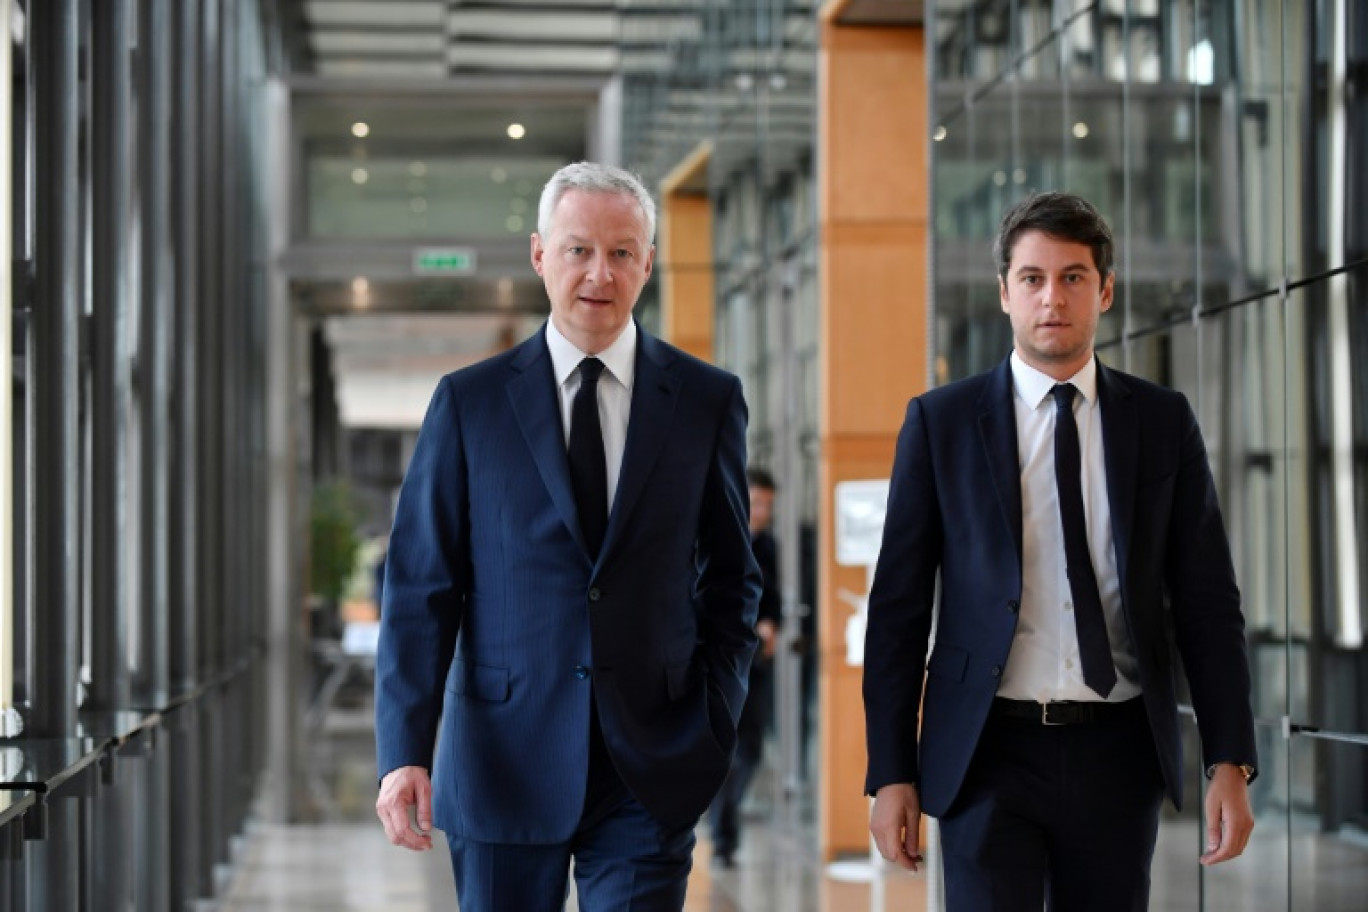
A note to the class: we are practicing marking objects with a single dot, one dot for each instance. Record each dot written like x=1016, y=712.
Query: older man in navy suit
x=1070, y=513
x=570, y=590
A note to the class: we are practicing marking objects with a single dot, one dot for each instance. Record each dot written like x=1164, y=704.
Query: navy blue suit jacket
x=498, y=624
x=955, y=508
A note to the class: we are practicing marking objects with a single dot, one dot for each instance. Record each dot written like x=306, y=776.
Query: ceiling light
x=514, y=223
x=360, y=175
x=1019, y=176
x=1080, y=130
x=418, y=169
x=517, y=204
x=939, y=134
x=498, y=175
x=418, y=204
x=1000, y=178
x=360, y=129
x=516, y=131
x=778, y=82
x=360, y=286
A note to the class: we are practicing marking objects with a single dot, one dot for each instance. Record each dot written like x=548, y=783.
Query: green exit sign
x=444, y=261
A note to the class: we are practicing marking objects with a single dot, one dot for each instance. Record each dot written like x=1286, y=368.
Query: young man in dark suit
x=570, y=590
x=1071, y=516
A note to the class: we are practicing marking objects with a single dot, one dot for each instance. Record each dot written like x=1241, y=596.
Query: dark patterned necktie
x=588, y=467
x=1099, y=673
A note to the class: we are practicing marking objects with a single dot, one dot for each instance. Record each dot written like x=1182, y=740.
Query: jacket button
x=595, y=594
x=997, y=671
x=581, y=672
x=1013, y=606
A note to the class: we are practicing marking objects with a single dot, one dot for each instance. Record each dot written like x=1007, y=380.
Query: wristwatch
x=1245, y=770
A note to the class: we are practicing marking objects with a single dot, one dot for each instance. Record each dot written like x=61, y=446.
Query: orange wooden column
x=874, y=254
x=684, y=256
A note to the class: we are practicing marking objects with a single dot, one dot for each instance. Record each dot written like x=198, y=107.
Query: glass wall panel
x=1328, y=861
x=1259, y=879
x=405, y=196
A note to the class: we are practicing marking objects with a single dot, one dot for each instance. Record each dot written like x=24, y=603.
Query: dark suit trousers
x=1066, y=813
x=624, y=859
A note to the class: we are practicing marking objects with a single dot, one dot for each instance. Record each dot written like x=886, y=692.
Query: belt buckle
x=1045, y=715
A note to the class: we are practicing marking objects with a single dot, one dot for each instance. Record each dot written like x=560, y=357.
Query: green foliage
x=334, y=543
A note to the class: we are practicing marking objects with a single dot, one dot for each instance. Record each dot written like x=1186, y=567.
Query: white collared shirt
x=614, y=391
x=1044, y=663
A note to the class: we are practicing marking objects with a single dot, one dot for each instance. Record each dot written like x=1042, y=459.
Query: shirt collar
x=1033, y=386
x=619, y=358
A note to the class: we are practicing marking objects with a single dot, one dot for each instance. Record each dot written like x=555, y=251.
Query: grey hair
x=592, y=177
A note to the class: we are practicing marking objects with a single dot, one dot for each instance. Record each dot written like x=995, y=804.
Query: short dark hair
x=1063, y=216
x=760, y=478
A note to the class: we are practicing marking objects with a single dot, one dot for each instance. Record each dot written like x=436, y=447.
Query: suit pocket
x=948, y=662
x=479, y=682
x=680, y=674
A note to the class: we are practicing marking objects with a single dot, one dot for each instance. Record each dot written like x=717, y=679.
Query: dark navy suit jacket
x=955, y=508
x=497, y=624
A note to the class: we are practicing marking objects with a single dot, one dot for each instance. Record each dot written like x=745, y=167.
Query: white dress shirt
x=1044, y=663
x=614, y=391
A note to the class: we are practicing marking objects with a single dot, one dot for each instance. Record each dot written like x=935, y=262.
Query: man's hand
x=403, y=790
x=896, y=824
x=768, y=631
x=1229, y=817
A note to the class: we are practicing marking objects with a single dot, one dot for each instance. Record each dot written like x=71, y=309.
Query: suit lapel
x=997, y=429
x=532, y=393
x=1120, y=442
x=654, y=394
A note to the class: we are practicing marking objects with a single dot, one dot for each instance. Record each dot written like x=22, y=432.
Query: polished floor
x=341, y=862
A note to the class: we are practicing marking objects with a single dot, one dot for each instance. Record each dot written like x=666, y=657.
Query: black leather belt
x=1063, y=713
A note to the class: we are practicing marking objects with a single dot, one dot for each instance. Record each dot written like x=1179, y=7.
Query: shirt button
x=1014, y=606
x=1068, y=606
x=595, y=594
x=997, y=671
x=581, y=672
x=1068, y=663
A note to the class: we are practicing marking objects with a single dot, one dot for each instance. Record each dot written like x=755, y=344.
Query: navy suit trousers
x=624, y=859
x=1064, y=812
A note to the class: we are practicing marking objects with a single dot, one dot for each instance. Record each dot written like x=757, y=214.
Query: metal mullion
x=111, y=388
x=54, y=457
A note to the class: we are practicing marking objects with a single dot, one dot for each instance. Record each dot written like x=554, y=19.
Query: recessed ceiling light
x=360, y=175
x=418, y=204
x=360, y=129
x=498, y=175
x=418, y=169
x=513, y=223
x=1080, y=130
x=360, y=285
x=516, y=131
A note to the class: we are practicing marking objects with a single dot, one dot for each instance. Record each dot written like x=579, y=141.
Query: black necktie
x=1093, y=646
x=588, y=467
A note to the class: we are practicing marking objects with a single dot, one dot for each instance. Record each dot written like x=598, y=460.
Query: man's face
x=1054, y=296
x=761, y=508
x=594, y=264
